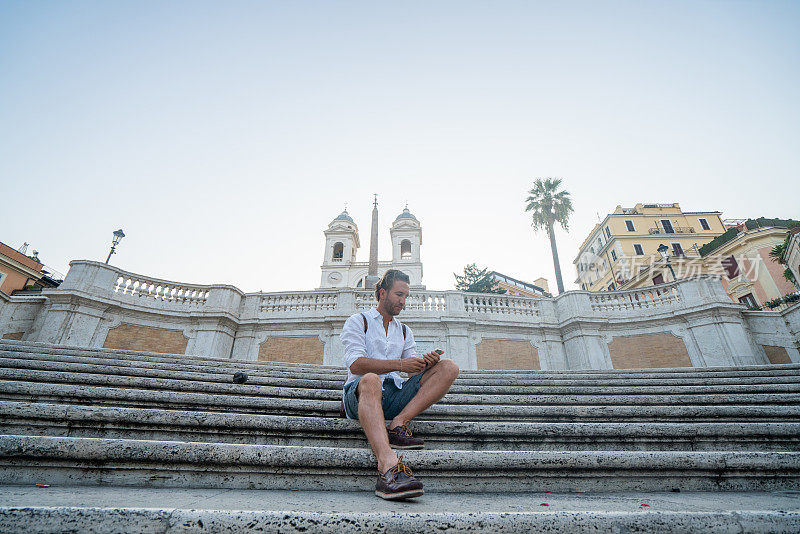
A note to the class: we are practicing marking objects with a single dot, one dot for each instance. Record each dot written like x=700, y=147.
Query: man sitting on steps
x=376, y=347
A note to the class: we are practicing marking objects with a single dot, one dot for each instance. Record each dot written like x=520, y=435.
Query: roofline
x=518, y=281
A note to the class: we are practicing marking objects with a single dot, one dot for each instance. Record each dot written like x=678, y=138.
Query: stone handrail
x=105, y=281
x=417, y=302
x=494, y=304
x=160, y=290
x=659, y=296
x=306, y=301
x=427, y=301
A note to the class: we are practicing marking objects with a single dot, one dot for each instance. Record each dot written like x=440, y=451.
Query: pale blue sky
x=224, y=136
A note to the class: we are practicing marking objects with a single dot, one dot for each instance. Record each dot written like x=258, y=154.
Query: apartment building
x=626, y=243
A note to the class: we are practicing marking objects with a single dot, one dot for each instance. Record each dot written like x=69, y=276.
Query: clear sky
x=223, y=137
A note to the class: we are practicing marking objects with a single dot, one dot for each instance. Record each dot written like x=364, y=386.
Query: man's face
x=394, y=300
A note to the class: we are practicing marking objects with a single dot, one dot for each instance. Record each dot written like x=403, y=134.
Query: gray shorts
x=393, y=401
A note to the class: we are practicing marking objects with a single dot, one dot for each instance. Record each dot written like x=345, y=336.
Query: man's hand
x=412, y=365
x=431, y=358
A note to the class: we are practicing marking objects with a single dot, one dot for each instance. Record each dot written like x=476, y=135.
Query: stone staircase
x=74, y=417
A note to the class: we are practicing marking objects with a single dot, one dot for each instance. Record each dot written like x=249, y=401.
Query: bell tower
x=341, y=244
x=406, y=235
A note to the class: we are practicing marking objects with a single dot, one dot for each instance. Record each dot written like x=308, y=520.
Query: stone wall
x=300, y=349
x=691, y=322
x=506, y=355
x=16, y=336
x=777, y=354
x=133, y=337
x=18, y=315
x=648, y=351
x=775, y=334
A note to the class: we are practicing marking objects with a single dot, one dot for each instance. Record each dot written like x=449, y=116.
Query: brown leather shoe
x=398, y=483
x=400, y=437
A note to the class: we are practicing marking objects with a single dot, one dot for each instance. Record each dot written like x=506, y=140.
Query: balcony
x=675, y=230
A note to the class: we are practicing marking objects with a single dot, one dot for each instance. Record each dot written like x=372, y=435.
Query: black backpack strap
x=404, y=332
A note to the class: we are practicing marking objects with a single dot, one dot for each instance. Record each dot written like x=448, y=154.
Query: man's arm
x=355, y=353
x=365, y=365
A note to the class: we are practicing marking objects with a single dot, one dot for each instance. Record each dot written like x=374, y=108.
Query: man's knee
x=369, y=386
x=449, y=368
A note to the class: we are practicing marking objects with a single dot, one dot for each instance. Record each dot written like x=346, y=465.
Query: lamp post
x=663, y=250
x=118, y=235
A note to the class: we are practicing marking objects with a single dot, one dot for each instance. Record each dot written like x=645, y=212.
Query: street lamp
x=118, y=235
x=663, y=250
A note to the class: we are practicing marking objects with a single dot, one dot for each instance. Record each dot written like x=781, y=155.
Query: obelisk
x=372, y=270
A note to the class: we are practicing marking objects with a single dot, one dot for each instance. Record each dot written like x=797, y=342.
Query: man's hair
x=388, y=280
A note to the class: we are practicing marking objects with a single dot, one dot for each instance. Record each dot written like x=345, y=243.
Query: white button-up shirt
x=376, y=343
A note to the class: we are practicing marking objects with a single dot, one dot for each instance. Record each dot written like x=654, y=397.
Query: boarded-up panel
x=133, y=337
x=777, y=354
x=648, y=351
x=308, y=349
x=14, y=335
x=507, y=355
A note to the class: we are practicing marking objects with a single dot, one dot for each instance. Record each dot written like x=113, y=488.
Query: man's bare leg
x=370, y=415
x=434, y=385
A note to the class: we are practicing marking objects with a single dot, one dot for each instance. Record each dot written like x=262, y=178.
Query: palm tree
x=549, y=206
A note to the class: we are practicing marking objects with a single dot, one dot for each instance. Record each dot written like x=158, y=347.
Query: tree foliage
x=549, y=206
x=778, y=253
x=477, y=280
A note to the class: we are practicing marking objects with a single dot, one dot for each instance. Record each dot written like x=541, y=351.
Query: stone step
x=174, y=425
x=496, y=386
x=171, y=510
x=234, y=395
x=180, y=400
x=32, y=376
x=325, y=372
x=747, y=385
x=94, y=461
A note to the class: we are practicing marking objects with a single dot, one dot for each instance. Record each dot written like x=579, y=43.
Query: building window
x=629, y=225
x=677, y=250
x=658, y=279
x=637, y=248
x=704, y=224
x=338, y=251
x=731, y=267
x=748, y=300
x=405, y=249
x=613, y=255
x=608, y=232
x=667, y=226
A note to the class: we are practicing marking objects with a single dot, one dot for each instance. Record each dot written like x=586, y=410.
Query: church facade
x=339, y=266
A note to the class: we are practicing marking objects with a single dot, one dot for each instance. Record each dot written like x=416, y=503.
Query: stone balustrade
x=502, y=305
x=656, y=297
x=575, y=330
x=292, y=302
x=160, y=290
